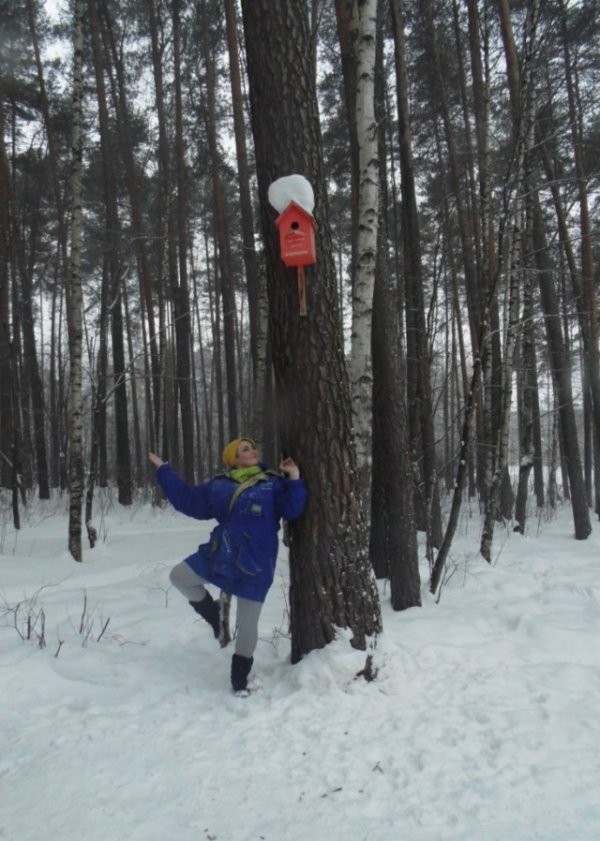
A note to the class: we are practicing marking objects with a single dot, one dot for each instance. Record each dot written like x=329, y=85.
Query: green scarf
x=241, y=474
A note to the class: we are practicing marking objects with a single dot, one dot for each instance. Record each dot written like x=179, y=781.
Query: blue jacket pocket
x=246, y=560
x=222, y=550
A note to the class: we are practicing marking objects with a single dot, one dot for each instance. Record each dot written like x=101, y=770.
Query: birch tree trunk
x=75, y=307
x=361, y=368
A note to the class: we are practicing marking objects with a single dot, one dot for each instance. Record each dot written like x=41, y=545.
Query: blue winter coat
x=241, y=554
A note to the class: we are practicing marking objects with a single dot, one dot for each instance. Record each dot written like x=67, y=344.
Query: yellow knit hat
x=229, y=455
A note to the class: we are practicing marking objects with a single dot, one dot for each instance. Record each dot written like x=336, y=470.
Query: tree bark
x=114, y=270
x=6, y=373
x=361, y=366
x=181, y=295
x=119, y=94
x=332, y=585
x=590, y=307
x=419, y=395
x=528, y=402
x=225, y=274
x=75, y=310
x=561, y=370
x=253, y=278
x=393, y=534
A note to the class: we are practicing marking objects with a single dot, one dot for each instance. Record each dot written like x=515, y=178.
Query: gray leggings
x=192, y=586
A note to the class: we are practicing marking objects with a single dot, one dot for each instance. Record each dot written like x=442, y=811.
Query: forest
x=450, y=344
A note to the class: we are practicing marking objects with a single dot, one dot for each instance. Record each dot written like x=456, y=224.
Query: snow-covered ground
x=483, y=723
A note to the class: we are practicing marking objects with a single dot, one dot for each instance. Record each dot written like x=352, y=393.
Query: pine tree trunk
x=102, y=379
x=347, y=29
x=56, y=424
x=332, y=585
x=517, y=101
x=6, y=374
x=590, y=306
x=253, y=281
x=561, y=370
x=393, y=534
x=527, y=389
x=500, y=454
x=419, y=393
x=181, y=294
x=222, y=235
x=75, y=310
x=475, y=294
x=205, y=450
x=140, y=451
x=51, y=140
x=32, y=392
x=522, y=101
x=114, y=269
x=119, y=95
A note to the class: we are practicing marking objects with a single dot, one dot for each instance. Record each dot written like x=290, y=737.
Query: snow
x=291, y=188
x=483, y=722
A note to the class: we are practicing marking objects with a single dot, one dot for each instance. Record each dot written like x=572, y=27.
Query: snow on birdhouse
x=291, y=188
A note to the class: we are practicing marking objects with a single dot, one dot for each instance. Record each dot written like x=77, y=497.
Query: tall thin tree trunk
x=590, y=308
x=119, y=95
x=393, y=535
x=522, y=102
x=419, y=395
x=561, y=370
x=347, y=29
x=253, y=274
x=51, y=140
x=6, y=373
x=361, y=366
x=181, y=293
x=500, y=455
x=222, y=236
x=32, y=379
x=75, y=310
x=114, y=270
x=528, y=400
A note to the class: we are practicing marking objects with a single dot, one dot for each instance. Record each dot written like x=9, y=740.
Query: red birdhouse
x=297, y=236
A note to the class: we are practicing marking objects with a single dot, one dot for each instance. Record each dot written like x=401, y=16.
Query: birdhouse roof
x=295, y=207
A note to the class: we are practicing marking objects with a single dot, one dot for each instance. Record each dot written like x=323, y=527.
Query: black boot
x=210, y=611
x=240, y=669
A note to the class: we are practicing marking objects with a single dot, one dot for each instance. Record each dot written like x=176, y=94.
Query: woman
x=248, y=502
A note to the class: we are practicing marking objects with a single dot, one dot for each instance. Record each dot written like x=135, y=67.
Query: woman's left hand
x=290, y=468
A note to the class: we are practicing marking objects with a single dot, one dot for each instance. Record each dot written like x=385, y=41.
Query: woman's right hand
x=156, y=460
